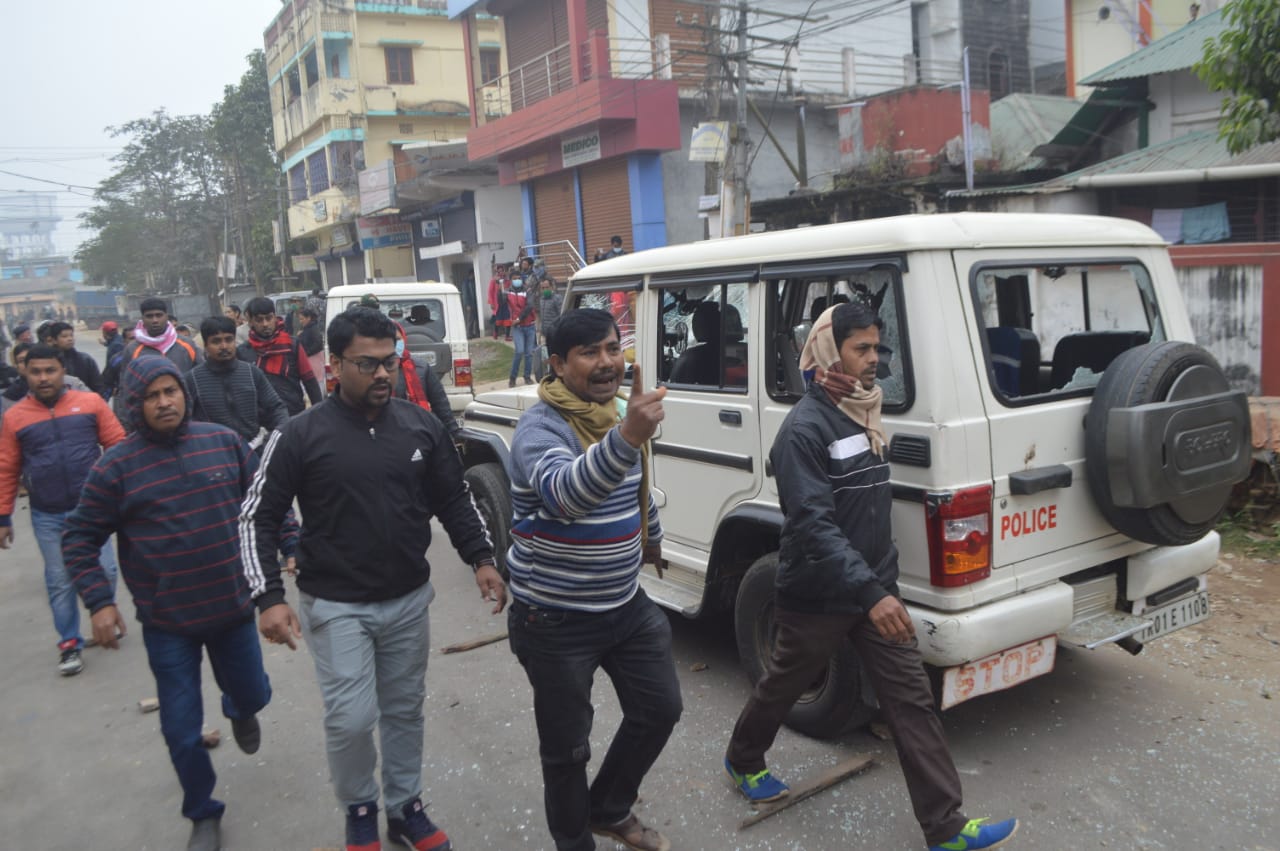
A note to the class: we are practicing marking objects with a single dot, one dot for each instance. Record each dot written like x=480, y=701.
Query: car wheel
x=492, y=493
x=1166, y=438
x=834, y=702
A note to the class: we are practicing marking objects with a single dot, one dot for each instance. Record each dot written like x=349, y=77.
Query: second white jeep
x=1059, y=458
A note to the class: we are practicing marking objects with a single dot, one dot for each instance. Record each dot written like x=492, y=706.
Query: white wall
x=1184, y=105
x=498, y=219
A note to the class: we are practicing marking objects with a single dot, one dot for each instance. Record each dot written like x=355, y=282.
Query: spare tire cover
x=1165, y=439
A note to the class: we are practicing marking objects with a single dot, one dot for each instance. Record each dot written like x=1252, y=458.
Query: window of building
x=490, y=65
x=294, y=84
x=399, y=64
x=311, y=68
x=337, y=63
x=298, y=183
x=318, y=172
x=345, y=159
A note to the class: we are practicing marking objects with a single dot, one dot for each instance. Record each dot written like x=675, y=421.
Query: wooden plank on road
x=811, y=786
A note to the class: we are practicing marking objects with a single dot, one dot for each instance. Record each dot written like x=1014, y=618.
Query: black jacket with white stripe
x=837, y=553
x=367, y=491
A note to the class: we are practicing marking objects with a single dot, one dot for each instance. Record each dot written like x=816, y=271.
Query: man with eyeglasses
x=369, y=471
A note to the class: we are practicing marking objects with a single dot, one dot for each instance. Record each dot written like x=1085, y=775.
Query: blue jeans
x=525, y=338
x=560, y=652
x=48, y=526
x=236, y=659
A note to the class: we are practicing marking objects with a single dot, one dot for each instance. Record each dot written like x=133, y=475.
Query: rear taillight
x=959, y=529
x=462, y=372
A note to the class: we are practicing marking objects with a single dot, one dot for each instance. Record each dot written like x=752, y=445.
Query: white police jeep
x=1059, y=458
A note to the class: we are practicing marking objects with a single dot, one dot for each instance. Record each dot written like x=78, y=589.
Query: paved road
x=1108, y=751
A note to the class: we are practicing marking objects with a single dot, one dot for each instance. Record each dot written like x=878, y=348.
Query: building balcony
x=329, y=97
x=623, y=80
x=323, y=210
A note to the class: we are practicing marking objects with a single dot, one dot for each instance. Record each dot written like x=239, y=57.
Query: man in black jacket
x=76, y=363
x=838, y=578
x=230, y=392
x=368, y=471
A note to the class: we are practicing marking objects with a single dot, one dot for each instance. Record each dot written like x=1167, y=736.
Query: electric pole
x=739, y=223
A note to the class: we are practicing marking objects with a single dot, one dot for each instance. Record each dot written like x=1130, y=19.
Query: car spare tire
x=835, y=701
x=1166, y=438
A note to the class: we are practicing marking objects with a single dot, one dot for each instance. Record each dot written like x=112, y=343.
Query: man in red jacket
x=272, y=350
x=52, y=437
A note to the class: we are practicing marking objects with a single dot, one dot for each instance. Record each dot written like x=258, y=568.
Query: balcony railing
x=561, y=258
x=525, y=85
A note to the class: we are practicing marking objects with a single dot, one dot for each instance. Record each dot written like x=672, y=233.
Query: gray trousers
x=371, y=665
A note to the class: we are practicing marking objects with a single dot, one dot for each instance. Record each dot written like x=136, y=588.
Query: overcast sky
x=71, y=68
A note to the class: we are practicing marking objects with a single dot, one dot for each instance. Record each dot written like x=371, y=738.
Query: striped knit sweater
x=236, y=395
x=173, y=503
x=575, y=542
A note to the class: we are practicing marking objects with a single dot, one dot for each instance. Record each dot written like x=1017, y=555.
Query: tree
x=155, y=217
x=179, y=185
x=1244, y=62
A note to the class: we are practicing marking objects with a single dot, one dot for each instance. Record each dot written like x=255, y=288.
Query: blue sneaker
x=758, y=788
x=978, y=834
x=362, y=828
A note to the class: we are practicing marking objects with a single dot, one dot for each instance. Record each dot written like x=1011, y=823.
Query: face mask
x=399, y=348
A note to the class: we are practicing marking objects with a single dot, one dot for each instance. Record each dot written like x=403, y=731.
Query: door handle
x=731, y=417
x=1040, y=479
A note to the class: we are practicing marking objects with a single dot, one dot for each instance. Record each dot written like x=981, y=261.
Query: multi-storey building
x=365, y=98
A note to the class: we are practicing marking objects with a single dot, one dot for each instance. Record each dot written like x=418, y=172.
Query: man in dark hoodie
x=272, y=350
x=171, y=493
x=838, y=579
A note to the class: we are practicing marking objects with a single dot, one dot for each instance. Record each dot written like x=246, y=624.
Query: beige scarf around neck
x=846, y=392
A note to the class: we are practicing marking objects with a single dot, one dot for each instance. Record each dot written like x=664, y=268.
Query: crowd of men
x=196, y=470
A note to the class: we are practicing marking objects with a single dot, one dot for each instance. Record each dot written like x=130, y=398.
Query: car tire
x=492, y=493
x=1141, y=478
x=835, y=702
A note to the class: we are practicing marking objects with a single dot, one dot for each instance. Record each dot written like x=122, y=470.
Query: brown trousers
x=802, y=647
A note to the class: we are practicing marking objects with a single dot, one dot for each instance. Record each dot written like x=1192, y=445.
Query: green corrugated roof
x=1192, y=152
x=1021, y=122
x=1174, y=52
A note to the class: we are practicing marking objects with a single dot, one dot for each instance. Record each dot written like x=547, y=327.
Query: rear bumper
x=953, y=638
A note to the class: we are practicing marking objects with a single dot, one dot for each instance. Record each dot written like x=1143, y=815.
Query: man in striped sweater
x=584, y=523
x=171, y=493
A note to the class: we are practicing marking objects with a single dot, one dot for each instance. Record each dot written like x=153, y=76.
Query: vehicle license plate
x=998, y=671
x=1174, y=616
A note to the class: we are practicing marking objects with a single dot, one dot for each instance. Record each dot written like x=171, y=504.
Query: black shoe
x=528, y=380
x=70, y=663
x=511, y=382
x=206, y=834
x=248, y=733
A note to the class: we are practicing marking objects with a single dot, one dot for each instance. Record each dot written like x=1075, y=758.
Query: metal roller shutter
x=597, y=15
x=555, y=213
x=606, y=204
